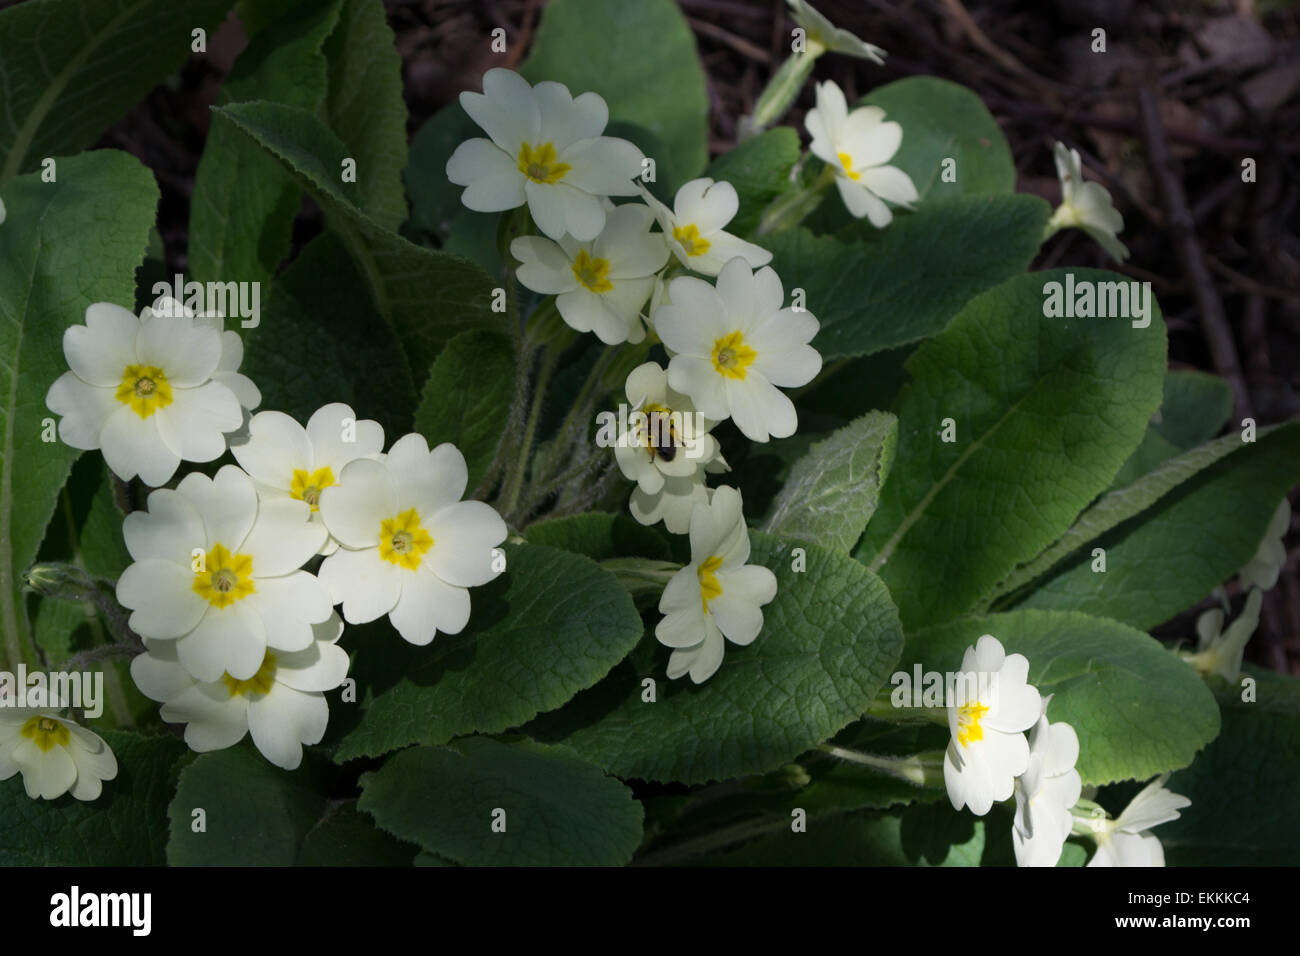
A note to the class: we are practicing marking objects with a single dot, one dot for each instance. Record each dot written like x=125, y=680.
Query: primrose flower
x=55, y=755
x=599, y=285
x=1045, y=792
x=1126, y=841
x=993, y=706
x=717, y=595
x=823, y=35
x=217, y=572
x=545, y=149
x=149, y=391
x=411, y=548
x=1263, y=570
x=856, y=146
x=232, y=349
x=1087, y=206
x=282, y=705
x=735, y=345
x=286, y=460
x=1219, y=651
x=693, y=227
x=668, y=439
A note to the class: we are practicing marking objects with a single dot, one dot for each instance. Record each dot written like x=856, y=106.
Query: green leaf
x=244, y=204
x=832, y=491
x=1173, y=554
x=72, y=67
x=829, y=640
x=641, y=58
x=426, y=295
x=125, y=826
x=558, y=811
x=1243, y=786
x=1195, y=407
x=600, y=536
x=957, y=516
x=552, y=625
x=321, y=340
x=53, y=264
x=904, y=283
x=759, y=168
x=254, y=813
x=347, y=837
x=366, y=109
x=942, y=120
x=468, y=396
x=1117, y=507
x=1138, y=709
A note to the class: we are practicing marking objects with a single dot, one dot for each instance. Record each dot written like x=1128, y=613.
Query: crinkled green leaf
x=125, y=826
x=1045, y=412
x=558, y=811
x=244, y=203
x=347, y=837
x=71, y=68
x=467, y=398
x=426, y=295
x=600, y=536
x=1194, y=408
x=1194, y=538
x=641, y=58
x=893, y=286
x=64, y=245
x=759, y=168
x=552, y=625
x=1138, y=709
x=829, y=641
x=255, y=814
x=322, y=340
x=832, y=491
x=1243, y=786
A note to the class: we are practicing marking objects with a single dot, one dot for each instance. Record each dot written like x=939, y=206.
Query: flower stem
x=515, y=475
x=781, y=91
x=922, y=770
x=794, y=206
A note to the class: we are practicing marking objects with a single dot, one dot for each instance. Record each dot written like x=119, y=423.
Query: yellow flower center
x=689, y=237
x=847, y=162
x=592, y=273
x=307, y=487
x=731, y=356
x=541, y=165
x=709, y=586
x=403, y=541
x=145, y=388
x=225, y=578
x=259, y=683
x=968, y=723
x=46, y=732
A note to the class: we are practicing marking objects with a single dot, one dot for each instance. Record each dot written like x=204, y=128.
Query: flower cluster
x=240, y=637
x=989, y=759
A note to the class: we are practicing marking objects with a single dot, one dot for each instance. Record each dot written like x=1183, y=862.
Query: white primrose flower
x=282, y=705
x=544, y=148
x=411, y=548
x=1263, y=570
x=994, y=705
x=232, y=349
x=733, y=345
x=668, y=439
x=1125, y=841
x=717, y=595
x=857, y=146
x=599, y=285
x=148, y=391
x=1086, y=206
x=674, y=503
x=823, y=35
x=217, y=572
x=693, y=227
x=286, y=460
x=55, y=755
x=1045, y=792
x=1219, y=651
